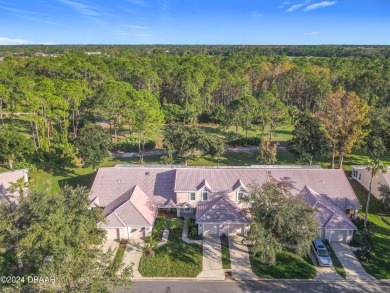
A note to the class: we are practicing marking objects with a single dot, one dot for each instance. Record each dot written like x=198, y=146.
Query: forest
x=332, y=99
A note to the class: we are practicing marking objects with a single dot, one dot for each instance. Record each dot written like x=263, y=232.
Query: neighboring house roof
x=133, y=208
x=6, y=178
x=328, y=215
x=331, y=183
x=111, y=183
x=220, y=210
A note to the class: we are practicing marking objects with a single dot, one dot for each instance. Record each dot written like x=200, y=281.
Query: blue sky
x=195, y=22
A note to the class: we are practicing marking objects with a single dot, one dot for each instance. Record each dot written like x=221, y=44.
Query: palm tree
x=375, y=166
x=18, y=185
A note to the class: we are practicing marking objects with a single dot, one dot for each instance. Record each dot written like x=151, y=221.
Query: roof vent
x=147, y=173
x=323, y=181
x=120, y=180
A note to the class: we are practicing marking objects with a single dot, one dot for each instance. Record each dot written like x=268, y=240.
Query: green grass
x=336, y=263
x=225, y=254
x=378, y=263
x=288, y=266
x=174, y=259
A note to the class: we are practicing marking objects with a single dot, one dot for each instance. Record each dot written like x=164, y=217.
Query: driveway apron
x=212, y=260
x=349, y=261
x=239, y=260
x=133, y=254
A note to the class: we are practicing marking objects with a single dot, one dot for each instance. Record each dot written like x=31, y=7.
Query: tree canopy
x=278, y=219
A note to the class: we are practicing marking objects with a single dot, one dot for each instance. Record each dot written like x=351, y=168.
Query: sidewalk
x=184, y=235
x=164, y=239
x=212, y=260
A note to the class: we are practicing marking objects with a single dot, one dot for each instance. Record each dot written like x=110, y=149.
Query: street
x=258, y=286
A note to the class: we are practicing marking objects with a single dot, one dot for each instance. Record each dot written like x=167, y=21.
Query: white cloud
x=9, y=41
x=284, y=4
x=256, y=14
x=311, y=33
x=298, y=6
x=319, y=5
x=81, y=8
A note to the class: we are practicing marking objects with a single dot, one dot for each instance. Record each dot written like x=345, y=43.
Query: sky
x=230, y=22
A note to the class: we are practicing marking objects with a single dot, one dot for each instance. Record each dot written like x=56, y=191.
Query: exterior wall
x=185, y=196
x=365, y=177
x=338, y=235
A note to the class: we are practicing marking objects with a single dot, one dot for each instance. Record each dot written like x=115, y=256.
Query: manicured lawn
x=336, y=263
x=225, y=253
x=288, y=266
x=378, y=263
x=175, y=259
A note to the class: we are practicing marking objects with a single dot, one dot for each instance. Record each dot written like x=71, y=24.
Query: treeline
x=212, y=50
x=141, y=90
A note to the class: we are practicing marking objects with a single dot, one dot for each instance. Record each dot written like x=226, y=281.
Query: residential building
x=130, y=196
x=362, y=175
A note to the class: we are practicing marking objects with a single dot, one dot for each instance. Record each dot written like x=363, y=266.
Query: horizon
x=196, y=23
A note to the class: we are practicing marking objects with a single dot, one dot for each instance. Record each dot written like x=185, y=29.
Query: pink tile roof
x=111, y=183
x=133, y=208
x=220, y=210
x=328, y=215
x=5, y=182
x=332, y=183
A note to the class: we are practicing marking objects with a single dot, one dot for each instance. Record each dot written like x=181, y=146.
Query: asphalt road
x=258, y=286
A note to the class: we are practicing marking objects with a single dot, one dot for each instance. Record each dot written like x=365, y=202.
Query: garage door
x=211, y=229
x=336, y=235
x=112, y=234
x=137, y=233
x=236, y=229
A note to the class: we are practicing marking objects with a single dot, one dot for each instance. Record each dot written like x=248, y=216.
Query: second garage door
x=211, y=229
x=335, y=235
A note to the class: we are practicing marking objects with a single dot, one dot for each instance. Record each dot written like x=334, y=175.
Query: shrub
x=117, y=261
x=252, y=141
x=158, y=226
x=176, y=225
x=193, y=232
x=130, y=144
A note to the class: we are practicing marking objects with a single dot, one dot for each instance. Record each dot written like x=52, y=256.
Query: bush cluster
x=158, y=226
x=130, y=144
x=176, y=225
x=252, y=141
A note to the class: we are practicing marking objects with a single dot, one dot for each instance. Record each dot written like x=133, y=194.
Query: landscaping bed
x=174, y=259
x=158, y=228
x=116, y=262
x=225, y=252
x=193, y=230
x=288, y=266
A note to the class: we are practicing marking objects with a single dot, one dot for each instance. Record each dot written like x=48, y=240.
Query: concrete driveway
x=113, y=244
x=133, y=254
x=324, y=273
x=239, y=260
x=212, y=260
x=349, y=261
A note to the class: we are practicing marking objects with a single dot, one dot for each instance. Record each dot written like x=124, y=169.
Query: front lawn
x=377, y=263
x=288, y=266
x=174, y=259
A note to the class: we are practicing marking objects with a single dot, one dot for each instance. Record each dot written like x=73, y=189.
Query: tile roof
x=111, y=183
x=331, y=183
x=6, y=178
x=328, y=215
x=133, y=208
x=220, y=210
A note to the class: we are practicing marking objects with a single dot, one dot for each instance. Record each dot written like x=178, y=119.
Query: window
x=240, y=195
x=192, y=196
x=205, y=194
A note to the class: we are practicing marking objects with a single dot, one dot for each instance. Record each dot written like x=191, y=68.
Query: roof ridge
x=137, y=207
x=119, y=218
